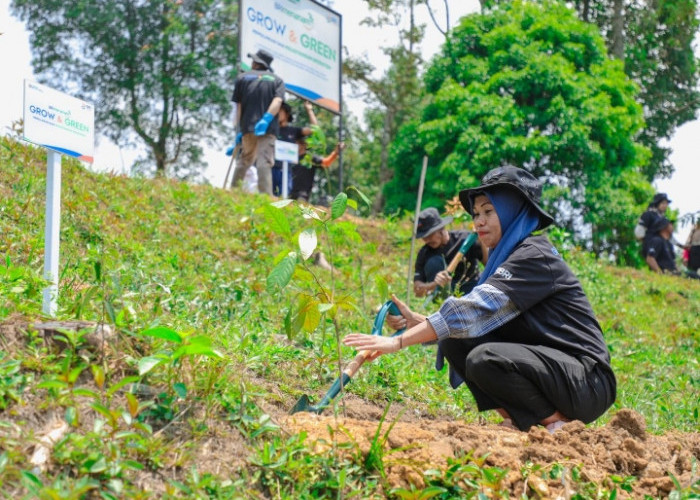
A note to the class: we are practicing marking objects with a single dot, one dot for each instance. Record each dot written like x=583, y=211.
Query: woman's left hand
x=363, y=342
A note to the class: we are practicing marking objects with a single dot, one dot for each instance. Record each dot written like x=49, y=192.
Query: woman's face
x=486, y=222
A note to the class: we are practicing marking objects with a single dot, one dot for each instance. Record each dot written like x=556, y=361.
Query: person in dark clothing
x=440, y=248
x=525, y=340
x=655, y=211
x=258, y=95
x=289, y=133
x=658, y=250
x=303, y=175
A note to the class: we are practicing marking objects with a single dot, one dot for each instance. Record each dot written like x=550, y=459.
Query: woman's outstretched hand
x=377, y=344
x=407, y=319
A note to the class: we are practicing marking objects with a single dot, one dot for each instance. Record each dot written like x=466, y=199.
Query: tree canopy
x=528, y=84
x=158, y=70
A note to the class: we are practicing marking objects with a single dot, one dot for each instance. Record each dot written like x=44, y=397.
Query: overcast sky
x=683, y=188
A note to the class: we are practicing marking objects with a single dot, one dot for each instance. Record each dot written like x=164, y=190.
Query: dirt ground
x=416, y=443
x=621, y=448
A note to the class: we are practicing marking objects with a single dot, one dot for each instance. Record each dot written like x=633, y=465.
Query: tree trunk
x=617, y=35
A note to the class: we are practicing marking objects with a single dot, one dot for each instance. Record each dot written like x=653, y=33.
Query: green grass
x=181, y=274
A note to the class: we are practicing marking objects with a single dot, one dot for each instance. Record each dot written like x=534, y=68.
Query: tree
x=394, y=97
x=531, y=85
x=156, y=70
x=654, y=39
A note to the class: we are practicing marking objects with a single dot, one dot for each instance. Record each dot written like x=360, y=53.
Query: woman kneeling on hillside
x=525, y=340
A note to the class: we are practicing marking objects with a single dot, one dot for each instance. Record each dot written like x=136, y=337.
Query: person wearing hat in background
x=258, y=95
x=289, y=133
x=655, y=211
x=525, y=340
x=440, y=248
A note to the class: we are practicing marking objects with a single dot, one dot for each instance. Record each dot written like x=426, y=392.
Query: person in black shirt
x=658, y=250
x=440, y=248
x=289, y=133
x=258, y=95
x=525, y=340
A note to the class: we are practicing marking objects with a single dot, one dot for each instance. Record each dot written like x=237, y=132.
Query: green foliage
x=181, y=274
x=655, y=42
x=158, y=72
x=527, y=84
x=20, y=289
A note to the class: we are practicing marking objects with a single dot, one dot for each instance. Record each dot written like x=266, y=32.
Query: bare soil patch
x=620, y=448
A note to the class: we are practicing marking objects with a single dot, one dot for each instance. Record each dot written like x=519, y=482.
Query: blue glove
x=261, y=126
x=239, y=138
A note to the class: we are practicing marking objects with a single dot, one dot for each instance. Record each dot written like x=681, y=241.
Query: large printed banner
x=305, y=39
x=58, y=121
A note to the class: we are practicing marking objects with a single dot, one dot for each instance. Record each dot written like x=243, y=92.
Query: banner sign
x=58, y=121
x=287, y=151
x=305, y=39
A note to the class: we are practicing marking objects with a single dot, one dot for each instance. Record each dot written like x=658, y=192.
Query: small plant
x=12, y=381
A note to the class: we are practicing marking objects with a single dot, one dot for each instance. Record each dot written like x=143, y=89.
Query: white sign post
x=286, y=152
x=63, y=125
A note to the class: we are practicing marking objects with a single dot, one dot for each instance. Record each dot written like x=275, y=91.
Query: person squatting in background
x=525, y=340
x=655, y=211
x=657, y=248
x=440, y=248
x=289, y=133
x=258, y=95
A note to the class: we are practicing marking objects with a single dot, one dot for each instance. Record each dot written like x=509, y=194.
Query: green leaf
x=324, y=307
x=338, y=205
x=307, y=242
x=277, y=221
x=361, y=195
x=382, y=287
x=282, y=273
x=180, y=389
x=121, y=383
x=352, y=203
x=162, y=332
x=148, y=363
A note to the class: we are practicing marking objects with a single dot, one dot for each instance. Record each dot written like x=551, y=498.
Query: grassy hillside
x=215, y=330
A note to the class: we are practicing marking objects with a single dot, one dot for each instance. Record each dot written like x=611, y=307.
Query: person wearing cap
x=657, y=250
x=289, y=133
x=525, y=340
x=258, y=94
x=440, y=248
x=655, y=210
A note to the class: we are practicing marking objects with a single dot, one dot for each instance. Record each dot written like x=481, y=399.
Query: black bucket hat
x=262, y=57
x=513, y=177
x=429, y=221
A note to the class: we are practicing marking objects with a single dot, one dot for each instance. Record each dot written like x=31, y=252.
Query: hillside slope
x=186, y=392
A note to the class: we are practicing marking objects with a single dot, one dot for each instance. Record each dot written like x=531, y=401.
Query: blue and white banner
x=305, y=39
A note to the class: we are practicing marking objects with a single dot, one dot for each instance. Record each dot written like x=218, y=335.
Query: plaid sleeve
x=484, y=309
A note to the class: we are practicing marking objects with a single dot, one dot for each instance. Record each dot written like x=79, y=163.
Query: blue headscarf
x=518, y=219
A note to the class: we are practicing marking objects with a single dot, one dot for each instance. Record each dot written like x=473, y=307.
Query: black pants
x=302, y=182
x=531, y=382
